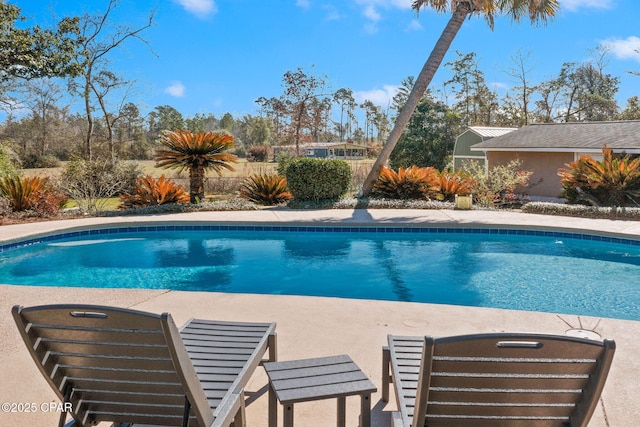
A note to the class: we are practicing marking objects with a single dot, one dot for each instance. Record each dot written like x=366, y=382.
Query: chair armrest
x=386, y=378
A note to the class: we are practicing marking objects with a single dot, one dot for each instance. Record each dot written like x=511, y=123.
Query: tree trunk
x=422, y=82
x=90, y=125
x=196, y=184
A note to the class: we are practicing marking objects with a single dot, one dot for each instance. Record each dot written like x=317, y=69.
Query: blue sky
x=217, y=56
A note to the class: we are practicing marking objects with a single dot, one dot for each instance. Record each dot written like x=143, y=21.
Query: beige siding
x=545, y=179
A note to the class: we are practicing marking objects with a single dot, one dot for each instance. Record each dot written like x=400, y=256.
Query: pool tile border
x=316, y=229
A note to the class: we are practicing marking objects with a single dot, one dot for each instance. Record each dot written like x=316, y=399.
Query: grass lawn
x=243, y=169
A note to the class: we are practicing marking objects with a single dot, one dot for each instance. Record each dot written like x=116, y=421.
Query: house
x=545, y=148
x=325, y=150
x=474, y=135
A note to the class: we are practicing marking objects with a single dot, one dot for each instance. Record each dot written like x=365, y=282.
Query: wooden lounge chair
x=495, y=379
x=125, y=366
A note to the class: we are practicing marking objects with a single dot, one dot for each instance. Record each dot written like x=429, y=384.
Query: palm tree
x=537, y=10
x=197, y=152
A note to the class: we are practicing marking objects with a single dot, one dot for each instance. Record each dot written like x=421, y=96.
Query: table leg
x=273, y=407
x=288, y=415
x=342, y=409
x=365, y=410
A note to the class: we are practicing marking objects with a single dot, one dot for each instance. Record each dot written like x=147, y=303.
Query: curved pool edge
x=474, y=219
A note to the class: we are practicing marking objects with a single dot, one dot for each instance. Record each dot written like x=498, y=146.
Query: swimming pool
x=512, y=269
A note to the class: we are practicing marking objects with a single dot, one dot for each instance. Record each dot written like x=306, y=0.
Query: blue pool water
x=484, y=268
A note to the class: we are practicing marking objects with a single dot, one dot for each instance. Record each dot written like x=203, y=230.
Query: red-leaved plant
x=150, y=192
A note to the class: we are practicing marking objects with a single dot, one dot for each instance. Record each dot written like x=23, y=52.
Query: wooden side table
x=316, y=379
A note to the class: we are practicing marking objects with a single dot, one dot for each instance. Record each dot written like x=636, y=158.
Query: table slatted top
x=313, y=379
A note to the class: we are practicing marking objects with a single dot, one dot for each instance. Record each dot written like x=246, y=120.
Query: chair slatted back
x=510, y=380
x=114, y=364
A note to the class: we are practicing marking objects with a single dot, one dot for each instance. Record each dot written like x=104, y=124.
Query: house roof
x=568, y=137
x=308, y=145
x=490, y=132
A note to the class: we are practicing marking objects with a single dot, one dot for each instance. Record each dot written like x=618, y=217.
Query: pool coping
x=102, y=230
x=352, y=220
x=306, y=325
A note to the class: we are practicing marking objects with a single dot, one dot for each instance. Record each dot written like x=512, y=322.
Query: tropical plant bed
x=615, y=212
x=28, y=217
x=238, y=204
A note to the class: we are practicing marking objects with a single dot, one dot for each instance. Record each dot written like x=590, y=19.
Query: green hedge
x=318, y=179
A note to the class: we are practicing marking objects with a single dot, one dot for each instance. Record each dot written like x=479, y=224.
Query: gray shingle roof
x=618, y=135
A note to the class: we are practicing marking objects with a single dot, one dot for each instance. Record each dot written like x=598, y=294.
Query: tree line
x=36, y=64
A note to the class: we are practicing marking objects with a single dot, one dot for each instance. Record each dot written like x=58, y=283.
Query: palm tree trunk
x=422, y=82
x=196, y=184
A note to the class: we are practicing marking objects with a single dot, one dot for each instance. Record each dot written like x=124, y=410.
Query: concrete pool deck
x=314, y=327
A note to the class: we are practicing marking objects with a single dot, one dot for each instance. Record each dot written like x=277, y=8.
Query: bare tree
x=41, y=97
x=99, y=38
x=104, y=83
x=520, y=71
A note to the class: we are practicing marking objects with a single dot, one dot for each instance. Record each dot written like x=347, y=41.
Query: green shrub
x=91, y=183
x=34, y=161
x=500, y=185
x=7, y=163
x=318, y=179
x=265, y=189
x=284, y=158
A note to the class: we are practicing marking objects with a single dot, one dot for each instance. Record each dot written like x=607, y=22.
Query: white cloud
x=371, y=13
x=574, y=5
x=628, y=48
x=414, y=25
x=388, y=4
x=500, y=86
x=176, y=89
x=200, y=8
x=305, y=4
x=379, y=96
x=332, y=13
x=371, y=10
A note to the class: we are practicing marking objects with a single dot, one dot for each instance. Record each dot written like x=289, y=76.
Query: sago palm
x=197, y=152
x=407, y=183
x=152, y=192
x=536, y=10
x=452, y=184
x=614, y=181
x=265, y=189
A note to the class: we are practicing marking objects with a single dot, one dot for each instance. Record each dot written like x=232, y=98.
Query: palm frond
x=184, y=150
x=151, y=192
